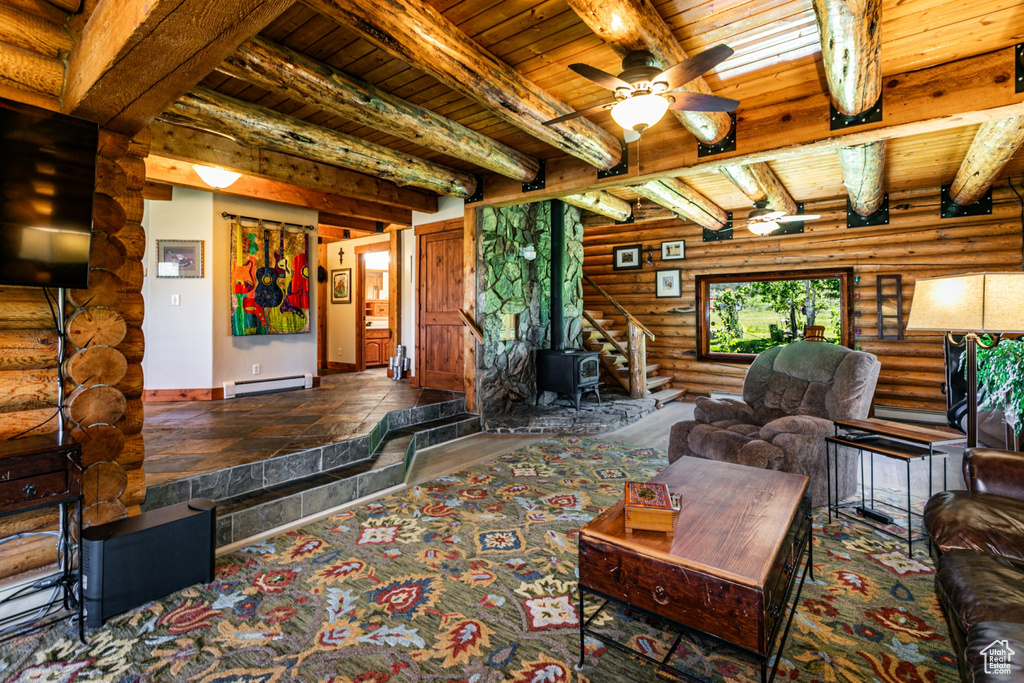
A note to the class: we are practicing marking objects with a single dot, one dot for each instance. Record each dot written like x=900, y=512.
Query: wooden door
x=439, y=293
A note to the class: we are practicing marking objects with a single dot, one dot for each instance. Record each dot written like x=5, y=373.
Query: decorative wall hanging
x=179, y=258
x=673, y=251
x=667, y=283
x=627, y=258
x=269, y=281
x=341, y=286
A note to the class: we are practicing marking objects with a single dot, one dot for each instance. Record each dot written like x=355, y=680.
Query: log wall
x=102, y=366
x=34, y=40
x=916, y=243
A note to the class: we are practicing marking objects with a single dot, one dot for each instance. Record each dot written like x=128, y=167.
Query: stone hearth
x=560, y=416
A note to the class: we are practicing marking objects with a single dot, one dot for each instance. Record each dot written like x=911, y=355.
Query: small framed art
x=627, y=258
x=341, y=286
x=673, y=251
x=667, y=283
x=179, y=258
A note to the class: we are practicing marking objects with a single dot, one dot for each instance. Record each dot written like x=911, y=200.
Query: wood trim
x=702, y=288
x=161, y=395
x=439, y=226
x=344, y=367
x=316, y=381
x=322, y=352
x=181, y=173
x=157, y=192
x=360, y=290
x=470, y=231
x=394, y=294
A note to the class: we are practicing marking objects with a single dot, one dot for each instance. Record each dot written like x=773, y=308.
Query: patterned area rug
x=472, y=578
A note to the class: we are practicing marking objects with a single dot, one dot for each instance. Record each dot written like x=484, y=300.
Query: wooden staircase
x=625, y=360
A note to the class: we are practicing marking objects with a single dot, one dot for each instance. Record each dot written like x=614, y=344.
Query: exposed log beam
x=851, y=42
x=628, y=25
x=602, y=203
x=335, y=233
x=759, y=183
x=994, y=145
x=181, y=174
x=30, y=32
x=685, y=201
x=864, y=176
x=291, y=74
x=261, y=127
x=157, y=192
x=965, y=92
x=188, y=144
x=419, y=35
x=647, y=211
x=135, y=57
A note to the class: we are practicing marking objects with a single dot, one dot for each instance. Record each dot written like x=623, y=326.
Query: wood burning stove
x=569, y=372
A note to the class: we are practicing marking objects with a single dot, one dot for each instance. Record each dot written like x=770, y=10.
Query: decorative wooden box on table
x=650, y=507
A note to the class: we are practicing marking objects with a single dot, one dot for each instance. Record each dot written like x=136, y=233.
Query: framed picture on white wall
x=180, y=258
x=341, y=286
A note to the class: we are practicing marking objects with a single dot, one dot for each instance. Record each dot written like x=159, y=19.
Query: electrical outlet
x=340, y=350
x=255, y=368
x=175, y=299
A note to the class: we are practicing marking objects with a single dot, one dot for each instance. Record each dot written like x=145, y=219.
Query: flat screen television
x=47, y=181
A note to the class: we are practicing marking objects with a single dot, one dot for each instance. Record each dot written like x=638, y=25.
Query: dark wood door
x=439, y=359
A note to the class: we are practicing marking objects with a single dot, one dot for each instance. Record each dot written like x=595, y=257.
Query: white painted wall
x=179, y=348
x=190, y=346
x=277, y=354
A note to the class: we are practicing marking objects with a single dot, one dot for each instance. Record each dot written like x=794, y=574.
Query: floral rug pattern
x=471, y=578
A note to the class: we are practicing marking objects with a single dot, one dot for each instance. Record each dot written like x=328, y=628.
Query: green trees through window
x=742, y=315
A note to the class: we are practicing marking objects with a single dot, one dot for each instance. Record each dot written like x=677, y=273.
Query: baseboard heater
x=130, y=562
x=269, y=385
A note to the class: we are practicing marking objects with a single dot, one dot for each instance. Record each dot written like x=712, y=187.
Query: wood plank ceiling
x=777, y=60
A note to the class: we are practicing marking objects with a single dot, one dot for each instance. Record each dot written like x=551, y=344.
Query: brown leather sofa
x=978, y=539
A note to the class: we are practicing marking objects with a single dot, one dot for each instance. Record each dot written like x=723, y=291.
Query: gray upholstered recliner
x=791, y=396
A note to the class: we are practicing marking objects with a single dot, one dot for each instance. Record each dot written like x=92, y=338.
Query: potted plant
x=1001, y=381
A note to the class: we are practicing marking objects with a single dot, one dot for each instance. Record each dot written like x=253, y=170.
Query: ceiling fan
x=642, y=90
x=763, y=221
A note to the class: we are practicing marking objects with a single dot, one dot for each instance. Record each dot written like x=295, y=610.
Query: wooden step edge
x=655, y=382
x=666, y=396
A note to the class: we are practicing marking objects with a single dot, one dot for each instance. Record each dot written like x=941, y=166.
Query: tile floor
x=188, y=438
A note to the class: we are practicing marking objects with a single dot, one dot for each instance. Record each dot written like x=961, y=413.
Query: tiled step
x=666, y=396
x=252, y=513
x=271, y=492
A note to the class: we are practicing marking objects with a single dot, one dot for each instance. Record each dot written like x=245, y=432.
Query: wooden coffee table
x=727, y=573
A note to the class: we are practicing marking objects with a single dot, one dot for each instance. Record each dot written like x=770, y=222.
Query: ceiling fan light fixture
x=762, y=228
x=640, y=112
x=217, y=178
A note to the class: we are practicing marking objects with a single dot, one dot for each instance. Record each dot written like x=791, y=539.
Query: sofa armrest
x=710, y=410
x=989, y=470
x=804, y=425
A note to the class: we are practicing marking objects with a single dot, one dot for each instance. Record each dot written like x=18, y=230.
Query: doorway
x=377, y=299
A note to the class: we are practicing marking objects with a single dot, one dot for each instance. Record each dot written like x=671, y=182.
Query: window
x=741, y=314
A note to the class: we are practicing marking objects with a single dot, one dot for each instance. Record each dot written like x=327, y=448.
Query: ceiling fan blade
x=688, y=101
x=688, y=69
x=799, y=218
x=602, y=78
x=582, y=112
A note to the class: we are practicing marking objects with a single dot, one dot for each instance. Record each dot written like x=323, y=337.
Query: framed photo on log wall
x=341, y=286
x=673, y=251
x=667, y=283
x=627, y=258
x=179, y=258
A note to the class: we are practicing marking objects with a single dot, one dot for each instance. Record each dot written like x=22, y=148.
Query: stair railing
x=613, y=371
x=637, y=336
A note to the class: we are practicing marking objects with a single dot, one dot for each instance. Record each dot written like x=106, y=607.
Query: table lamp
x=976, y=304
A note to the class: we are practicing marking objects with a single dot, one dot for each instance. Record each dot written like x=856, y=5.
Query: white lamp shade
x=979, y=302
x=640, y=112
x=762, y=228
x=216, y=177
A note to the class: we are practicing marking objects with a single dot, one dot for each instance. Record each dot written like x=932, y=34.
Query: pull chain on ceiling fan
x=643, y=92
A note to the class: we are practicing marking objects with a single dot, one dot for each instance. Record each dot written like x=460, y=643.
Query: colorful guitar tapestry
x=269, y=281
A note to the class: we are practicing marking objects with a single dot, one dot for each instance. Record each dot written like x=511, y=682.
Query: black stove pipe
x=557, y=273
